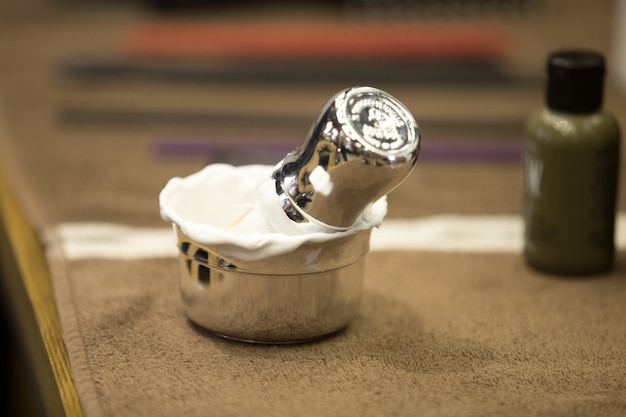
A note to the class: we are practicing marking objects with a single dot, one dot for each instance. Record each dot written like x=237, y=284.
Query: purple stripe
x=491, y=150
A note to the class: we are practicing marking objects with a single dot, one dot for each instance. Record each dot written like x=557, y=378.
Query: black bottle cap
x=575, y=81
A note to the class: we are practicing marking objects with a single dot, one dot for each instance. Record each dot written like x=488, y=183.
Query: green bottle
x=571, y=170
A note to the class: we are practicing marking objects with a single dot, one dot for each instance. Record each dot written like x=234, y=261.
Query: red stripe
x=316, y=41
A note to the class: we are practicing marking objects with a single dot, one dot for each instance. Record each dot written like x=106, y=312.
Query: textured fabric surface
x=437, y=334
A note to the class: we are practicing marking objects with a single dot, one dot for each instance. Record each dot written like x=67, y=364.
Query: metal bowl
x=302, y=295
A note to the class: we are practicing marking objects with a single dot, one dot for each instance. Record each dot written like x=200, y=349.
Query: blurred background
x=177, y=84
x=213, y=77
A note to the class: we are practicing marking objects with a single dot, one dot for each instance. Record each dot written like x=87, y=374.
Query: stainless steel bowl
x=299, y=296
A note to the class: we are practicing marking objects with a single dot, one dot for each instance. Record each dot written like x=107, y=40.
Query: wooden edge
x=26, y=281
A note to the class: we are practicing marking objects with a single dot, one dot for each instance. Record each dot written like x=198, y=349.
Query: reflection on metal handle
x=363, y=144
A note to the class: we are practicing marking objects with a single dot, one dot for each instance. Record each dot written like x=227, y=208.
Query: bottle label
x=533, y=173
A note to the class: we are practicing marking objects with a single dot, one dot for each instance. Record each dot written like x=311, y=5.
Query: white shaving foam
x=237, y=211
x=321, y=181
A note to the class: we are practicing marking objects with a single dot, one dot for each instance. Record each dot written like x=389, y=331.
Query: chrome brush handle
x=363, y=144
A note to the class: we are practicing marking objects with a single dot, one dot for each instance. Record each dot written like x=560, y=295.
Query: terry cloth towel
x=437, y=334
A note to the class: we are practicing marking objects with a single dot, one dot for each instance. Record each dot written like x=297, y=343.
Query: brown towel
x=438, y=334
